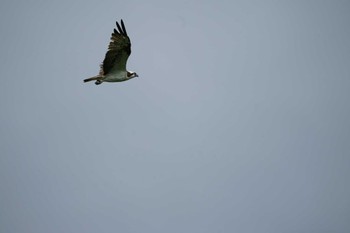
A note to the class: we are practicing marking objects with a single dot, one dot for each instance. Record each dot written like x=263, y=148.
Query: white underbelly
x=115, y=77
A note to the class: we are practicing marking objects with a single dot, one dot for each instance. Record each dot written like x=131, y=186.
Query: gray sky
x=239, y=121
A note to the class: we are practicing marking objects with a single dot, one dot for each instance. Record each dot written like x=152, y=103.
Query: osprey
x=113, y=67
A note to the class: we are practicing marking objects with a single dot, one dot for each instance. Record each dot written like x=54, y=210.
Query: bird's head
x=131, y=74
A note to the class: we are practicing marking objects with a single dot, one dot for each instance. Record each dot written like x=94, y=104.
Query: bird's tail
x=98, y=79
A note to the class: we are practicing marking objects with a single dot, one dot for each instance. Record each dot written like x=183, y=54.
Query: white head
x=131, y=74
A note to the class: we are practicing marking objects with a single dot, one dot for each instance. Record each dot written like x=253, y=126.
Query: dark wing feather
x=119, y=50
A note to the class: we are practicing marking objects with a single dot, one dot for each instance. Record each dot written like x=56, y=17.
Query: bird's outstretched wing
x=119, y=50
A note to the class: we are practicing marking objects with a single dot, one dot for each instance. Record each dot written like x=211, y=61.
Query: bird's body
x=113, y=68
x=112, y=77
x=117, y=76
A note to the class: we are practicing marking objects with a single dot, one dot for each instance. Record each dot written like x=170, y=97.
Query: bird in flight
x=113, y=67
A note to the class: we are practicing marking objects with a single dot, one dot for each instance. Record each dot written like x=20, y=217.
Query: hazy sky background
x=239, y=121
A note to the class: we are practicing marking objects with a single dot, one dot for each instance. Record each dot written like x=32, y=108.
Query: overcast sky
x=239, y=121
